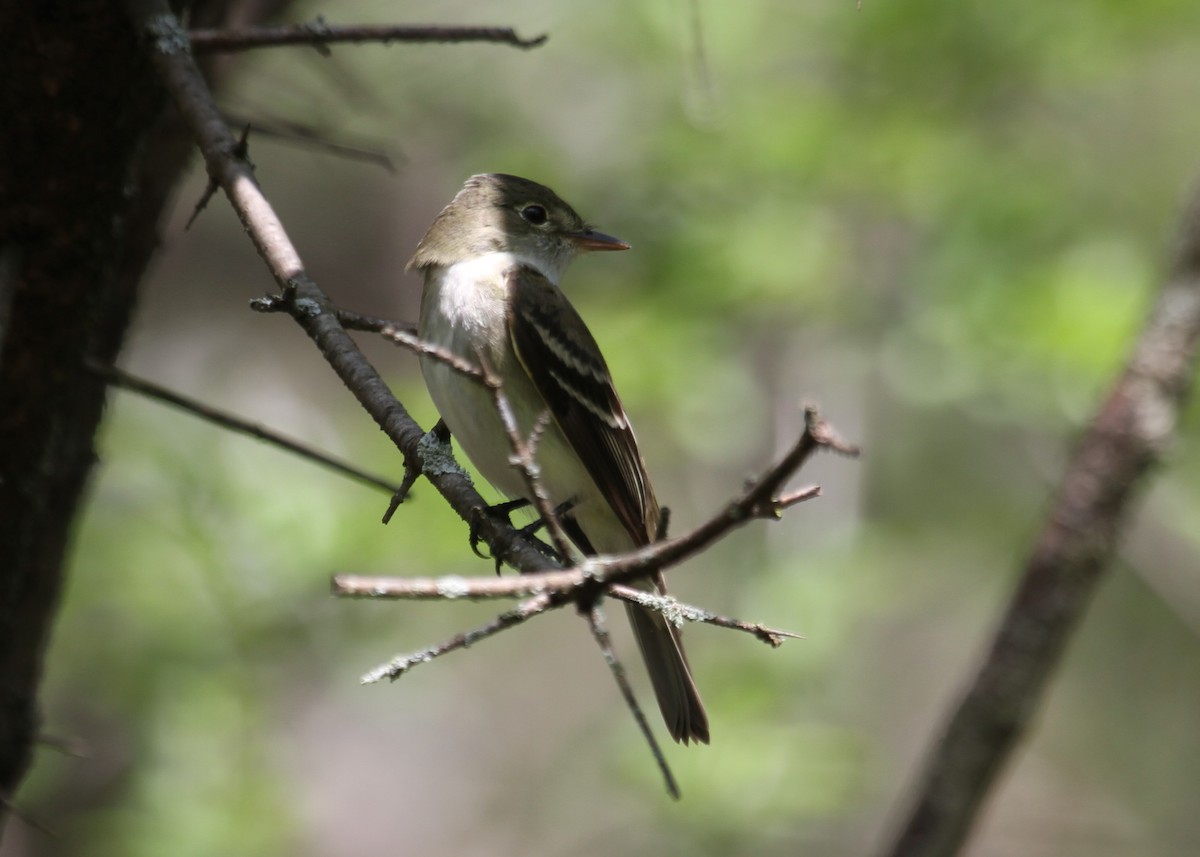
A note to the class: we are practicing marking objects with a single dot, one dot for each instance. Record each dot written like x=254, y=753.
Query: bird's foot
x=502, y=512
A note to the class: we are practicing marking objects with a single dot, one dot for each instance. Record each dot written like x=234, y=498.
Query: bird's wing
x=564, y=362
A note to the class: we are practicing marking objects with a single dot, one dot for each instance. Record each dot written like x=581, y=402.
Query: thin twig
x=299, y=134
x=411, y=475
x=354, y=321
x=524, y=451
x=678, y=612
x=560, y=586
x=401, y=664
x=408, y=338
x=451, y=587
x=595, y=617
x=319, y=33
x=75, y=748
x=124, y=380
x=24, y=817
x=800, y=495
x=346, y=318
x=240, y=151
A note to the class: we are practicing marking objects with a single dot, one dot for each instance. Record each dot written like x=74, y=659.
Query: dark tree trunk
x=88, y=157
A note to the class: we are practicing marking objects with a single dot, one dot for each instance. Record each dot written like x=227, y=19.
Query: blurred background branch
x=126, y=381
x=1132, y=432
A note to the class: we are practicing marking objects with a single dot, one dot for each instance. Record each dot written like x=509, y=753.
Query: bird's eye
x=534, y=214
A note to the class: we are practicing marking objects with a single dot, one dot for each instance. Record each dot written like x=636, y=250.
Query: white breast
x=463, y=311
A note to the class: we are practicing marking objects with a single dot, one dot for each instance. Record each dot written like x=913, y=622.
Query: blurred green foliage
x=942, y=221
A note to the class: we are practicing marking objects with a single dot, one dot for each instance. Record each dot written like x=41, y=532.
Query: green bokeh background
x=943, y=222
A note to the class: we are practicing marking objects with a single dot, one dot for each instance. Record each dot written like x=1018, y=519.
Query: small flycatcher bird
x=492, y=261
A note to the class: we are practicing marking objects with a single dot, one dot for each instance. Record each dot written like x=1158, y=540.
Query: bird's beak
x=590, y=239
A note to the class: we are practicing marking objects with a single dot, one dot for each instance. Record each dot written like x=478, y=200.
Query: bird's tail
x=662, y=650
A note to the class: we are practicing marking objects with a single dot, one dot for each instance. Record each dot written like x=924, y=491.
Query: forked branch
x=167, y=47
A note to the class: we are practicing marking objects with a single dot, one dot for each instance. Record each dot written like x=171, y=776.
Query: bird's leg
x=560, y=512
x=503, y=512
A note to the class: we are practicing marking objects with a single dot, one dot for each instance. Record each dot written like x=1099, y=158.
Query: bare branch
x=302, y=135
x=166, y=45
x=561, y=587
x=75, y=748
x=1130, y=434
x=320, y=34
x=240, y=152
x=677, y=613
x=401, y=664
x=452, y=587
x=798, y=496
x=756, y=501
x=524, y=456
x=348, y=319
x=124, y=380
x=595, y=617
x=409, y=339
x=354, y=321
x=411, y=475
x=20, y=814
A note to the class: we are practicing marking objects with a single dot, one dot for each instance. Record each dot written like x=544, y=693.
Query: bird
x=492, y=261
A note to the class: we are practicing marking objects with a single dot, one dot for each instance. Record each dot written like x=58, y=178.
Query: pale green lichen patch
x=437, y=457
